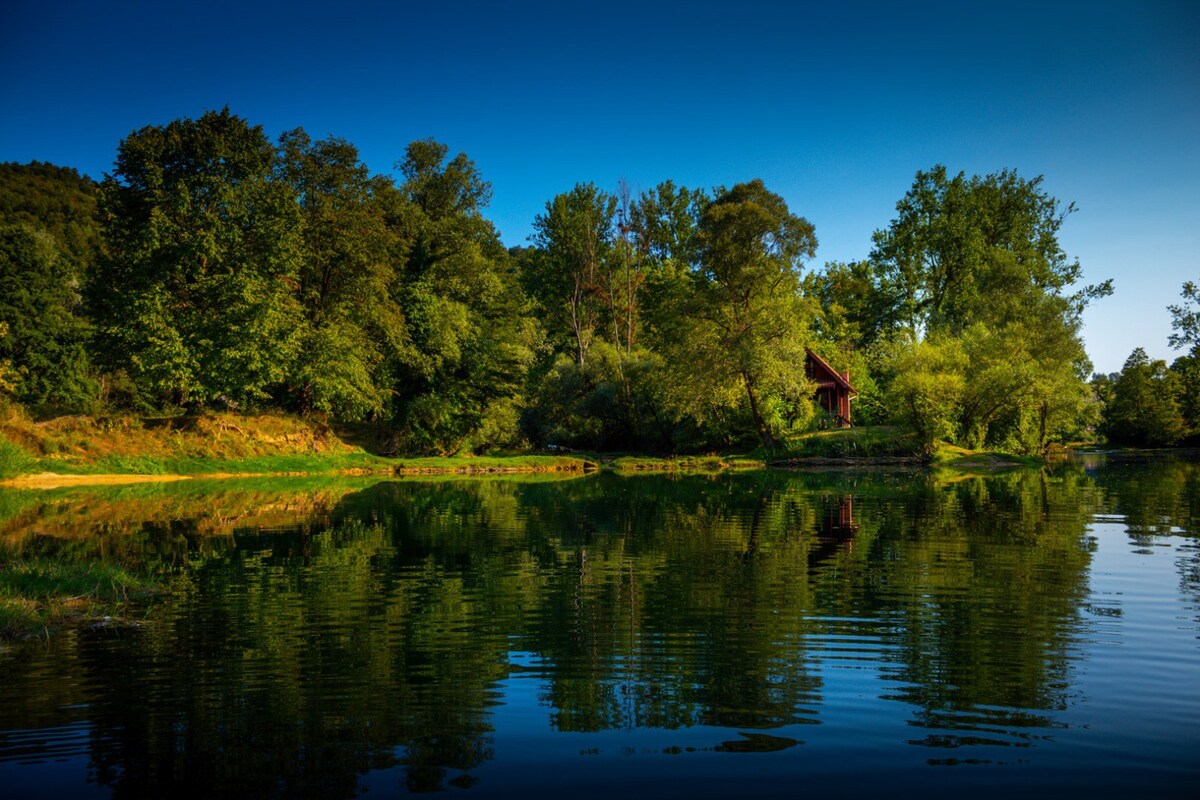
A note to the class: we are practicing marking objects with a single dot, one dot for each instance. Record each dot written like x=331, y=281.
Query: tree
x=346, y=280
x=1143, y=410
x=459, y=384
x=967, y=250
x=577, y=236
x=1185, y=319
x=195, y=296
x=979, y=259
x=46, y=336
x=928, y=386
x=750, y=321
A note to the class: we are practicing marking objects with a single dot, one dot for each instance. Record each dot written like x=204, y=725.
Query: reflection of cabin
x=835, y=529
x=833, y=388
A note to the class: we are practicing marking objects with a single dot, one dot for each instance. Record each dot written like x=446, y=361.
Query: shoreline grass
x=39, y=595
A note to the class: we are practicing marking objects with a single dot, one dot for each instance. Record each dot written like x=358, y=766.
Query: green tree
x=47, y=337
x=979, y=259
x=1143, y=410
x=967, y=250
x=195, y=297
x=459, y=386
x=346, y=281
x=928, y=386
x=1185, y=319
x=58, y=201
x=576, y=234
x=747, y=322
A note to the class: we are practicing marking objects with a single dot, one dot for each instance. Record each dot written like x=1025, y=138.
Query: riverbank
x=78, y=451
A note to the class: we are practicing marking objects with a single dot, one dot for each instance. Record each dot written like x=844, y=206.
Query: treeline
x=1151, y=404
x=214, y=268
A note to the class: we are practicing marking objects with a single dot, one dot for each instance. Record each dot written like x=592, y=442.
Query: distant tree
x=1143, y=409
x=1185, y=319
x=58, y=201
x=46, y=336
x=195, y=296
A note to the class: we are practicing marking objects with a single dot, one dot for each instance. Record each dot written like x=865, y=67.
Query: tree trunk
x=764, y=432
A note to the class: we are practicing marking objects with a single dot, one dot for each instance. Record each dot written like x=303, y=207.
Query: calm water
x=768, y=634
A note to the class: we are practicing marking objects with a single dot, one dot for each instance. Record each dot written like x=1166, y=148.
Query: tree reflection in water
x=365, y=628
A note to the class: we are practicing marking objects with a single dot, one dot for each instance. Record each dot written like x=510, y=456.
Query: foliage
x=57, y=201
x=194, y=296
x=747, y=323
x=1185, y=318
x=929, y=386
x=1143, y=409
x=459, y=385
x=576, y=237
x=346, y=284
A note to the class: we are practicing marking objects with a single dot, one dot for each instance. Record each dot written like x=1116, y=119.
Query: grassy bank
x=880, y=443
x=39, y=595
x=690, y=463
x=219, y=444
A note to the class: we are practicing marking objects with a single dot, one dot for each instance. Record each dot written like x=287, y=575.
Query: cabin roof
x=834, y=378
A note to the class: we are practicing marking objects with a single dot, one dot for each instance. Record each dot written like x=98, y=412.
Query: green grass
x=290, y=463
x=881, y=441
x=952, y=457
x=693, y=463
x=37, y=594
x=14, y=460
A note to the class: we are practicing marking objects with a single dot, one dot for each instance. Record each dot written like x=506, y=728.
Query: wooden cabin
x=833, y=388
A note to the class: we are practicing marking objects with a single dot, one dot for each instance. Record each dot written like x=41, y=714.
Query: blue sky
x=835, y=108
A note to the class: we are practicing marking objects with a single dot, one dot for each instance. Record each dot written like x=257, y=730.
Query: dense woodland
x=216, y=269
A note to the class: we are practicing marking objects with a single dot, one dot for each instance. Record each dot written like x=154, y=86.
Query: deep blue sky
x=835, y=108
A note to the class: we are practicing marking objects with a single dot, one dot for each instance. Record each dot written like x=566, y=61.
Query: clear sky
x=834, y=105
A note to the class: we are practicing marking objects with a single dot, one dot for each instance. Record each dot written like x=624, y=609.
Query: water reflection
x=305, y=638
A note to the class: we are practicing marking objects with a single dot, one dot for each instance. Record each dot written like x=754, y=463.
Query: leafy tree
x=459, y=385
x=929, y=385
x=1143, y=410
x=6, y=371
x=1187, y=373
x=58, y=201
x=968, y=250
x=39, y=303
x=576, y=234
x=346, y=280
x=979, y=259
x=195, y=297
x=1185, y=319
x=747, y=322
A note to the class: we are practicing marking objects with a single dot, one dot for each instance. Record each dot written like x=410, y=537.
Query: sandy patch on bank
x=52, y=480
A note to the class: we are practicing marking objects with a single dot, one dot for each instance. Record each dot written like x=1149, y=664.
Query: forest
x=214, y=269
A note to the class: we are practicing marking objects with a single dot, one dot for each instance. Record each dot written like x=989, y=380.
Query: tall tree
x=576, y=233
x=195, y=294
x=459, y=385
x=751, y=322
x=47, y=337
x=346, y=280
x=1185, y=318
x=967, y=250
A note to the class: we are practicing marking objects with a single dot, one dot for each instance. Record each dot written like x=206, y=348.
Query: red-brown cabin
x=833, y=388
